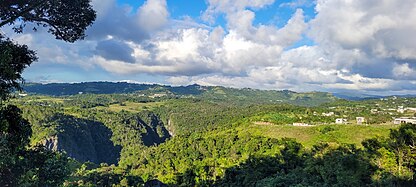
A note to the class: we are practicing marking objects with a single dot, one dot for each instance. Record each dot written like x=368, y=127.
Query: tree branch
x=58, y=32
x=27, y=10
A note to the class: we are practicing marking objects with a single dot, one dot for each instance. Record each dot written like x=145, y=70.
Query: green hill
x=217, y=137
x=212, y=93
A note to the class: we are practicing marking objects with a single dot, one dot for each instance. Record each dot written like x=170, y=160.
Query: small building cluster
x=404, y=120
x=360, y=120
x=340, y=121
x=411, y=109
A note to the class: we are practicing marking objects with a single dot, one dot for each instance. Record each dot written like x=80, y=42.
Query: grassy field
x=131, y=106
x=44, y=99
x=309, y=136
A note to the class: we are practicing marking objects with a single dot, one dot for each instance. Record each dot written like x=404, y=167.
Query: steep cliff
x=156, y=132
x=97, y=137
x=83, y=140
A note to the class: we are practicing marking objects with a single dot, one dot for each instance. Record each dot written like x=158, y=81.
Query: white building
x=404, y=120
x=360, y=120
x=340, y=121
x=411, y=109
x=328, y=114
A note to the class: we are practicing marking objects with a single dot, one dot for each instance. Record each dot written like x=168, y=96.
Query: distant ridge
x=62, y=89
x=356, y=96
x=213, y=93
x=359, y=97
x=125, y=87
x=104, y=87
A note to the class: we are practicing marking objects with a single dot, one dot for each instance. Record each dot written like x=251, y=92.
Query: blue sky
x=301, y=45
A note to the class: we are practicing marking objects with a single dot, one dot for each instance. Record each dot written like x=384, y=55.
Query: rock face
x=84, y=140
x=88, y=140
x=156, y=133
x=51, y=143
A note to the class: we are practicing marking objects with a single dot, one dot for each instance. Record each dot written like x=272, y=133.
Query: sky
x=301, y=45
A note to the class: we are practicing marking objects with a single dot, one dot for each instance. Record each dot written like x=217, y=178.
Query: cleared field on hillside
x=45, y=99
x=309, y=136
x=131, y=106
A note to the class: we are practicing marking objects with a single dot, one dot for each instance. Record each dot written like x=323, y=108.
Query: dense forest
x=216, y=93
x=133, y=139
x=121, y=134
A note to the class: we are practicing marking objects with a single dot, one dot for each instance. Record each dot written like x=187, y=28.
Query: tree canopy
x=14, y=59
x=66, y=19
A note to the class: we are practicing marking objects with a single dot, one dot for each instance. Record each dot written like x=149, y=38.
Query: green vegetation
x=219, y=142
x=216, y=93
x=131, y=106
x=21, y=165
x=220, y=137
x=310, y=136
x=120, y=134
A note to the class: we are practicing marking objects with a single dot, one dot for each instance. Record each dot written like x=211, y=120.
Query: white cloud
x=183, y=47
x=178, y=81
x=359, y=82
x=404, y=71
x=153, y=15
x=201, y=50
x=286, y=36
x=379, y=28
x=242, y=24
x=125, y=23
x=232, y=6
x=360, y=45
x=240, y=20
x=24, y=39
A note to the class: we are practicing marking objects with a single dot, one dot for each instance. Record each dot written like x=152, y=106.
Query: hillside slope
x=212, y=93
x=100, y=139
x=83, y=140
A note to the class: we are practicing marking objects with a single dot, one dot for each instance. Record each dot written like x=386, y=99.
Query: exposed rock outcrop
x=84, y=140
x=156, y=133
x=87, y=140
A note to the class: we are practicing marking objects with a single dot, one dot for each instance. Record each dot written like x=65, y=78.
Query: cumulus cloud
x=369, y=39
x=404, y=71
x=216, y=7
x=123, y=23
x=153, y=15
x=115, y=50
x=378, y=28
x=358, y=45
x=356, y=49
x=204, y=50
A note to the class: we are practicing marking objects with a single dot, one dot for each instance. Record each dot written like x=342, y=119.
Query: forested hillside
x=340, y=128
x=215, y=93
x=131, y=139
x=93, y=136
